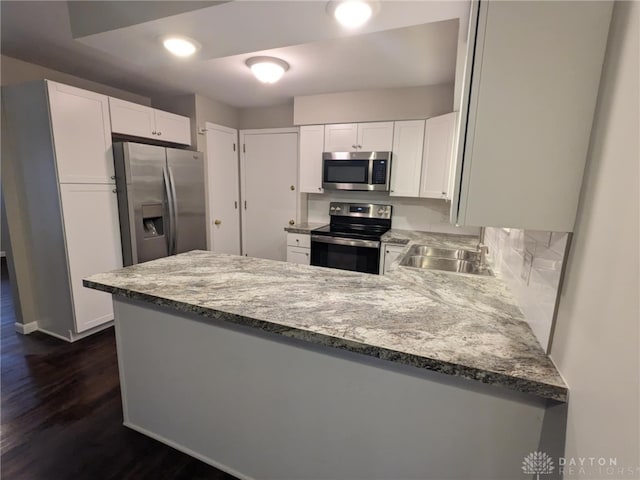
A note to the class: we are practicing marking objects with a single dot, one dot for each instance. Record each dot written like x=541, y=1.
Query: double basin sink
x=450, y=260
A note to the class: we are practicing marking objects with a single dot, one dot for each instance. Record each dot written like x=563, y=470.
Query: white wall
x=408, y=213
x=596, y=342
x=14, y=71
x=275, y=116
x=530, y=262
x=374, y=105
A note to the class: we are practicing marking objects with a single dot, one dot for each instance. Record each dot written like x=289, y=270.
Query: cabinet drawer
x=301, y=256
x=299, y=240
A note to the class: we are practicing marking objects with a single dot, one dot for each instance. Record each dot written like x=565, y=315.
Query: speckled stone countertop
x=303, y=227
x=456, y=324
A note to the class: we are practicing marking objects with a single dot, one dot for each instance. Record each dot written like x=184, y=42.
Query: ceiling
x=406, y=44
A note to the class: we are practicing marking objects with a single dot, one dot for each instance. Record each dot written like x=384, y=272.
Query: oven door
x=345, y=253
x=346, y=174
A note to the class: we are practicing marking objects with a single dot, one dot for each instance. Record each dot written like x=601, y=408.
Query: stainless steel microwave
x=356, y=171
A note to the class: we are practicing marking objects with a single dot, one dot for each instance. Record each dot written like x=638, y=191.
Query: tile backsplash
x=423, y=214
x=530, y=262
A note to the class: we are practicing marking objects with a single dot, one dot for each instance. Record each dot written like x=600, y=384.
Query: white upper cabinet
x=352, y=137
x=92, y=234
x=437, y=157
x=136, y=120
x=375, y=137
x=81, y=134
x=341, y=137
x=531, y=85
x=406, y=159
x=311, y=148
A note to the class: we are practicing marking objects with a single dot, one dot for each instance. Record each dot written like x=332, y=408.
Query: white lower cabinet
x=388, y=254
x=92, y=233
x=298, y=248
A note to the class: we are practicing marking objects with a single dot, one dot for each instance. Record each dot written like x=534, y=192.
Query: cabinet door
x=92, y=236
x=298, y=255
x=311, y=148
x=81, y=135
x=389, y=255
x=223, y=190
x=531, y=106
x=132, y=119
x=172, y=128
x=341, y=137
x=269, y=192
x=438, y=151
x=406, y=160
x=375, y=137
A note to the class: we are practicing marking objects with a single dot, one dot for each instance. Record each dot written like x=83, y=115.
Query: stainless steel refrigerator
x=161, y=201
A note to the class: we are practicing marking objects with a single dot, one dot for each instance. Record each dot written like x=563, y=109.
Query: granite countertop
x=303, y=227
x=462, y=325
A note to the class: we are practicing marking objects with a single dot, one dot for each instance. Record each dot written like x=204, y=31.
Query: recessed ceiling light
x=352, y=13
x=180, y=46
x=267, y=69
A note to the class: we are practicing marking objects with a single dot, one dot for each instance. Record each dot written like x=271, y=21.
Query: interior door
x=223, y=186
x=186, y=173
x=269, y=173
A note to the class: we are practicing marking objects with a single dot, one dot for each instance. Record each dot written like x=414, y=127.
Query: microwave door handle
x=370, y=182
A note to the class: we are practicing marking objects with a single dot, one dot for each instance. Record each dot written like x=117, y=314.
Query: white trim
x=258, y=131
x=26, y=328
x=77, y=336
x=223, y=128
x=188, y=451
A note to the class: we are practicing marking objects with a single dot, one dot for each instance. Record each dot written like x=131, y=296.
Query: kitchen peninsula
x=274, y=370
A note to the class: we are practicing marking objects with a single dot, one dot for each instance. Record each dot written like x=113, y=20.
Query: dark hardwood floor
x=62, y=414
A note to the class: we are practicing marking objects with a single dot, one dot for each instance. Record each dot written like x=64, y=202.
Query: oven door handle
x=345, y=241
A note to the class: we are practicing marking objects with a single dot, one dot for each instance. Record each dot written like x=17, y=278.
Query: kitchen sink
x=449, y=260
x=460, y=254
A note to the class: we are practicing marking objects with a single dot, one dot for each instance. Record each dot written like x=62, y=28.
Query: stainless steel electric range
x=351, y=241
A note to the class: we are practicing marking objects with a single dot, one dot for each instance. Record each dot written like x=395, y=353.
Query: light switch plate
x=527, y=265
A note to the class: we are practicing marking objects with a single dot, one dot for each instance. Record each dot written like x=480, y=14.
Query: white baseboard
x=26, y=328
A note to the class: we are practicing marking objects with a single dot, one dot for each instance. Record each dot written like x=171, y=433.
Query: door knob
x=217, y=222
x=292, y=187
x=292, y=222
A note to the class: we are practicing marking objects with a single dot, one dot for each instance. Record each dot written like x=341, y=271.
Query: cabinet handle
x=153, y=133
x=319, y=189
x=114, y=191
x=159, y=133
x=297, y=239
x=113, y=177
x=307, y=254
x=235, y=204
x=292, y=187
x=359, y=146
x=291, y=222
x=217, y=222
x=354, y=146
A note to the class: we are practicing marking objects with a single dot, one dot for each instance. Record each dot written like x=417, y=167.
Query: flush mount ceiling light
x=180, y=46
x=352, y=13
x=267, y=69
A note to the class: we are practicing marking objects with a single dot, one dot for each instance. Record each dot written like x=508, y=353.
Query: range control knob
x=333, y=209
x=380, y=211
x=338, y=209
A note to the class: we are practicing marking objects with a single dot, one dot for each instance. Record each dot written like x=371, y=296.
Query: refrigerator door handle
x=171, y=207
x=174, y=207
